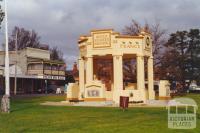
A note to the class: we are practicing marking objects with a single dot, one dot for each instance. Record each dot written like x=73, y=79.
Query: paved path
x=153, y=103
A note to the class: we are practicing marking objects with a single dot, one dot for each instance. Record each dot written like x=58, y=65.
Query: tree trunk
x=5, y=104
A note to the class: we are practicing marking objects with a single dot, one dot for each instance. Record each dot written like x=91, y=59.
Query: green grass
x=28, y=116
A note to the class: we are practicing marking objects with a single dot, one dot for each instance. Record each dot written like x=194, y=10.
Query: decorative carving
x=130, y=46
x=147, y=42
x=114, y=41
x=83, y=57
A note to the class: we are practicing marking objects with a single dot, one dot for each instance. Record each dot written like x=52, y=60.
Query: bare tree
x=56, y=54
x=158, y=36
x=25, y=38
x=159, y=39
x=129, y=70
x=132, y=29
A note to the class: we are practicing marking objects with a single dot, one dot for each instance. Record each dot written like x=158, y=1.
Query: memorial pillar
x=118, y=77
x=140, y=78
x=89, y=69
x=150, y=78
x=81, y=78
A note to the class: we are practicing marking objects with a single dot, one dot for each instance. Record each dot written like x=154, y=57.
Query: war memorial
x=110, y=46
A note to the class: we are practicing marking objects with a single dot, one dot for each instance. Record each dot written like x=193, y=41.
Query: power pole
x=5, y=105
x=16, y=56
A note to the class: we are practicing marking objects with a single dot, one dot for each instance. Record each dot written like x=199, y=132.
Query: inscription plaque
x=93, y=93
x=101, y=40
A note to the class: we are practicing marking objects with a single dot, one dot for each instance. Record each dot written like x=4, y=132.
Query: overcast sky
x=61, y=22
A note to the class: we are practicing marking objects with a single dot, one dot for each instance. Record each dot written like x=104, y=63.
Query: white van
x=193, y=87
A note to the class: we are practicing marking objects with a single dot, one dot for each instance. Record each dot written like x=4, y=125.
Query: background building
x=35, y=71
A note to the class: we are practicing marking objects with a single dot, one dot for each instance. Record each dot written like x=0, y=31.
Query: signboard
x=55, y=77
x=101, y=40
x=61, y=78
x=47, y=77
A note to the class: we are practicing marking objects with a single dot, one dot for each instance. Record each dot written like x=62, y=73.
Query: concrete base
x=157, y=103
x=5, y=104
x=94, y=99
x=71, y=99
x=165, y=98
x=95, y=104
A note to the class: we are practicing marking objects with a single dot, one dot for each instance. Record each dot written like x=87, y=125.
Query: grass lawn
x=28, y=116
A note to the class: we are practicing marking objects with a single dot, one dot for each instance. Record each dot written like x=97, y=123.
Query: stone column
x=150, y=78
x=81, y=78
x=118, y=77
x=89, y=69
x=140, y=77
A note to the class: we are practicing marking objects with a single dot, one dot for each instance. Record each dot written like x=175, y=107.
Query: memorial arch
x=101, y=58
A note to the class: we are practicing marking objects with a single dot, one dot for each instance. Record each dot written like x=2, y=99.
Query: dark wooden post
x=32, y=88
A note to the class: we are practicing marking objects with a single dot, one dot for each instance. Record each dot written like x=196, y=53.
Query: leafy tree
x=193, y=65
x=177, y=44
x=182, y=57
x=169, y=65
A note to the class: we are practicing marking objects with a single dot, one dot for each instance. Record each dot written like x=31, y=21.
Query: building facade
x=34, y=70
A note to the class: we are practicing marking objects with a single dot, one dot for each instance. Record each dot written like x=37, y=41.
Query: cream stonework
x=107, y=44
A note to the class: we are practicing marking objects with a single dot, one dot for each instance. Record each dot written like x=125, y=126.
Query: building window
x=35, y=66
x=54, y=67
x=47, y=66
